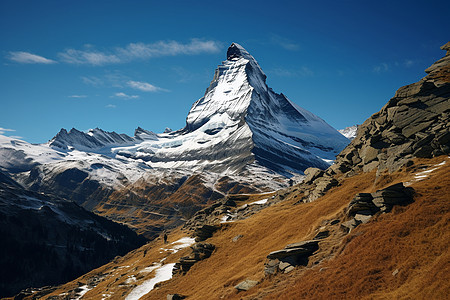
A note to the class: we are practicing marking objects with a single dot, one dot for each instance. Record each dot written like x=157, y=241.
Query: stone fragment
x=283, y=265
x=322, y=235
x=363, y=218
x=288, y=269
x=246, y=285
x=349, y=225
x=236, y=238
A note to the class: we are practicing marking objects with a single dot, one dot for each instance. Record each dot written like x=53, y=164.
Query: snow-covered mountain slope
x=239, y=122
x=349, y=132
x=240, y=136
x=96, y=139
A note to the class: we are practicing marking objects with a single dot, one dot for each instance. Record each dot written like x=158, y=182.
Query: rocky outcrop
x=414, y=123
x=200, y=251
x=316, y=184
x=204, y=232
x=292, y=255
x=365, y=205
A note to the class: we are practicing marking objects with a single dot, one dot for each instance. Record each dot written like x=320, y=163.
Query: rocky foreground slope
x=373, y=225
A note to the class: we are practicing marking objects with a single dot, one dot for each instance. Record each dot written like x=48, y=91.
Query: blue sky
x=117, y=65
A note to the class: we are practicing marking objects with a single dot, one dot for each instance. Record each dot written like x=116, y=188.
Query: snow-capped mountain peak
x=349, y=132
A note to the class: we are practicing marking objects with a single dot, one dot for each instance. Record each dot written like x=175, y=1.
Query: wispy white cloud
x=284, y=42
x=145, y=86
x=138, y=51
x=381, y=68
x=109, y=79
x=91, y=57
x=4, y=130
x=77, y=96
x=299, y=72
x=409, y=63
x=391, y=66
x=110, y=106
x=125, y=96
x=93, y=80
x=28, y=58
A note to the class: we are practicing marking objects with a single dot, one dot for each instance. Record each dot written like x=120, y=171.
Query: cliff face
x=414, y=123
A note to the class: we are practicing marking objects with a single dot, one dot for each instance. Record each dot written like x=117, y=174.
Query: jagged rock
x=289, y=257
x=393, y=195
x=363, y=217
x=322, y=235
x=312, y=174
x=200, y=251
x=205, y=232
x=365, y=205
x=271, y=267
x=361, y=202
x=322, y=185
x=246, y=285
x=347, y=226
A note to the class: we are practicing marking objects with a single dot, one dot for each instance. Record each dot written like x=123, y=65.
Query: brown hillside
x=413, y=239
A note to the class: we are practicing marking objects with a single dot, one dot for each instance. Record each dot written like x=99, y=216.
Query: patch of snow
x=151, y=268
x=180, y=244
x=424, y=174
x=259, y=202
x=84, y=290
x=441, y=164
x=162, y=274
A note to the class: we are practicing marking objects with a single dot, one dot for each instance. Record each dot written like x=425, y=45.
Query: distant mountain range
x=240, y=137
x=349, y=132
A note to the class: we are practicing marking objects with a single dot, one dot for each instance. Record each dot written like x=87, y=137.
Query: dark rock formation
x=292, y=255
x=200, y=251
x=204, y=232
x=365, y=205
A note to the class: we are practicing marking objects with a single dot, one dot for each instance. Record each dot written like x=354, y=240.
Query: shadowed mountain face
x=47, y=240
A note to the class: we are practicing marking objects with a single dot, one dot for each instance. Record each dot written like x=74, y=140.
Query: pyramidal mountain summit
x=240, y=137
x=239, y=123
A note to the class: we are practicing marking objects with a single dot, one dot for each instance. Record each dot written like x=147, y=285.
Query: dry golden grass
x=412, y=242
x=413, y=239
